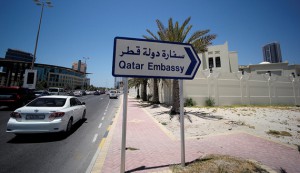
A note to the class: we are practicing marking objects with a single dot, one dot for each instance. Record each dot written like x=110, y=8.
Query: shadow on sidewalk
x=143, y=168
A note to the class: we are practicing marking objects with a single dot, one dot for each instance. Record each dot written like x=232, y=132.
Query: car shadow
x=45, y=137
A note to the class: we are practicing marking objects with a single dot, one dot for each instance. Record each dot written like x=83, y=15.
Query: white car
x=77, y=93
x=113, y=94
x=47, y=114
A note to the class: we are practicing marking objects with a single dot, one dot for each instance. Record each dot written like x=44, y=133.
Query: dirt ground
x=279, y=124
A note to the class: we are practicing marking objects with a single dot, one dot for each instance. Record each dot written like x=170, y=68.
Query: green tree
x=175, y=33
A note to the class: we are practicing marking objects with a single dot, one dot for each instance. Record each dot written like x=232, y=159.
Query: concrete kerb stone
x=164, y=129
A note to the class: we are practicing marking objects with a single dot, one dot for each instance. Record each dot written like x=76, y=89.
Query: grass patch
x=219, y=164
x=278, y=133
x=164, y=123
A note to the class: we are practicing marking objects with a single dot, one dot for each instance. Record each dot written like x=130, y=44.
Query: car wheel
x=83, y=115
x=69, y=126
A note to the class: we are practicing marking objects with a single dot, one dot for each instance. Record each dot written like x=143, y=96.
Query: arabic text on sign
x=152, y=54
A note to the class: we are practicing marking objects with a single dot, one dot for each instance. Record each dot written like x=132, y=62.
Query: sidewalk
x=151, y=149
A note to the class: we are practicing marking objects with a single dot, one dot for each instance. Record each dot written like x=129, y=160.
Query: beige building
x=276, y=69
x=80, y=66
x=219, y=58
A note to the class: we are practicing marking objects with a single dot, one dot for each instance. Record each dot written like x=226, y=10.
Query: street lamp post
x=42, y=3
x=85, y=58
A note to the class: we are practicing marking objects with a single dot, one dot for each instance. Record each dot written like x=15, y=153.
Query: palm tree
x=134, y=82
x=175, y=33
x=155, y=92
x=137, y=82
x=144, y=89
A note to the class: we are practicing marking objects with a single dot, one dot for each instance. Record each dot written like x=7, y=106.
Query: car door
x=80, y=108
x=75, y=109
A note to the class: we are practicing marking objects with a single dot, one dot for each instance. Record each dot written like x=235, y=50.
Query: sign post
x=124, y=125
x=182, y=123
x=153, y=59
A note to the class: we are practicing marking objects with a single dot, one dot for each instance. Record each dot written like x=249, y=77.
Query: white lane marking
x=95, y=137
x=99, y=125
x=107, y=105
x=104, y=113
x=102, y=118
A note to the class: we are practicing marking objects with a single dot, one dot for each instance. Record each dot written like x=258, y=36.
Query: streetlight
x=42, y=3
x=85, y=58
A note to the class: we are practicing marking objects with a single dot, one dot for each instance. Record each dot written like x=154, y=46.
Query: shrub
x=189, y=102
x=210, y=102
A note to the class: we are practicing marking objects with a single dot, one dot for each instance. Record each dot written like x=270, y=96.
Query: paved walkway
x=151, y=149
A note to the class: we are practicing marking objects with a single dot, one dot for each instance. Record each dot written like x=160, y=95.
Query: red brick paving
x=156, y=151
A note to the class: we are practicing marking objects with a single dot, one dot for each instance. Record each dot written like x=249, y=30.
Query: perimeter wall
x=236, y=89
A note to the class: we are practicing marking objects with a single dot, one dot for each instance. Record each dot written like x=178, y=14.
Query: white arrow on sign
x=154, y=59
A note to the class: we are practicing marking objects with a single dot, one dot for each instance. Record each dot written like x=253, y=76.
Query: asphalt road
x=54, y=153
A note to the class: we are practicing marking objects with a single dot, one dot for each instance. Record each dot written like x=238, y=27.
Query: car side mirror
x=83, y=103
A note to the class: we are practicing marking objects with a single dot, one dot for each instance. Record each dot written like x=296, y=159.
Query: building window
x=217, y=52
x=210, y=62
x=218, y=62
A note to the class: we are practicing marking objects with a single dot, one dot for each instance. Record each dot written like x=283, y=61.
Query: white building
x=219, y=58
x=276, y=69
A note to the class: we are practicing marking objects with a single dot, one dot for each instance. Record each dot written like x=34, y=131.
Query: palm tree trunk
x=144, y=90
x=138, y=93
x=155, y=92
x=175, y=98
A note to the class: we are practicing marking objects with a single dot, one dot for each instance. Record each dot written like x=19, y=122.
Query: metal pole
x=85, y=69
x=269, y=91
x=124, y=122
x=182, y=123
x=37, y=38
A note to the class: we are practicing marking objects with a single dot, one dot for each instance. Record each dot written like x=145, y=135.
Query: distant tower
x=80, y=66
x=272, y=52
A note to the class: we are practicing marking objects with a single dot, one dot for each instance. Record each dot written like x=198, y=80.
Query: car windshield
x=38, y=92
x=113, y=92
x=47, y=102
x=53, y=90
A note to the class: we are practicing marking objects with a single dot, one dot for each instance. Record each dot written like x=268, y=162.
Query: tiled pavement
x=150, y=149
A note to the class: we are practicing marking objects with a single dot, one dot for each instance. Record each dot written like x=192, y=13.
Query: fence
x=238, y=89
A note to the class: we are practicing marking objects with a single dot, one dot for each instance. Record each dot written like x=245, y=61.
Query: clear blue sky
x=74, y=29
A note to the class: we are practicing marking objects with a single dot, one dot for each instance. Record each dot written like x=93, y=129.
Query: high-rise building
x=18, y=55
x=272, y=52
x=80, y=66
